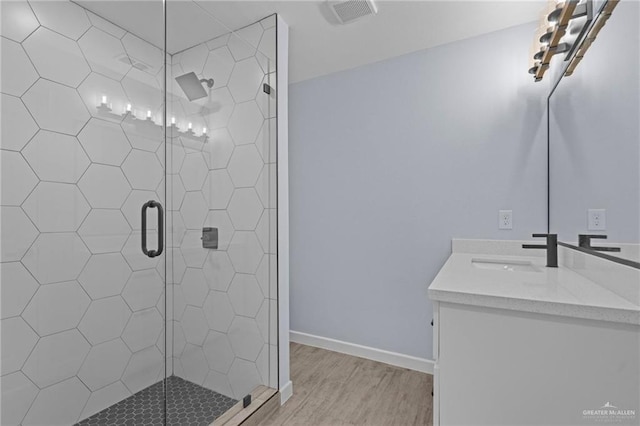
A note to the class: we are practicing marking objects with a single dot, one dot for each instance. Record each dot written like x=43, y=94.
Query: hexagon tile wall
x=83, y=310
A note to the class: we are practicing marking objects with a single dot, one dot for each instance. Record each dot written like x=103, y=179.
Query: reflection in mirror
x=594, y=141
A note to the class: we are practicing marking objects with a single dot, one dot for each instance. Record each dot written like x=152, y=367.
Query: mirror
x=583, y=19
x=594, y=140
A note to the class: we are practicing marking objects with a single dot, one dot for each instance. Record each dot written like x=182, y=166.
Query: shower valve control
x=210, y=238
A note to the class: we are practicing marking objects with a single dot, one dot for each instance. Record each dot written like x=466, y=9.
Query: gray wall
x=392, y=160
x=595, y=135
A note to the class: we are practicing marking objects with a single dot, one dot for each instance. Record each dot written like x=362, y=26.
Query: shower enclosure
x=138, y=220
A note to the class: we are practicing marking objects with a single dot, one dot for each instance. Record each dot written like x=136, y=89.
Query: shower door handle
x=145, y=206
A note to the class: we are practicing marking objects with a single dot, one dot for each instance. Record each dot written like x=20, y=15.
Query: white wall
x=390, y=161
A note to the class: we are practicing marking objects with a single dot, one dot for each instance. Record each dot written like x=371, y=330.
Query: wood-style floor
x=331, y=389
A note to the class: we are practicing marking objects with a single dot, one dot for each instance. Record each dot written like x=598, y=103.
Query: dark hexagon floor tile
x=188, y=404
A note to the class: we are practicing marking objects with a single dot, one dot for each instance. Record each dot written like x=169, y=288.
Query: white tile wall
x=60, y=404
x=17, y=72
x=43, y=313
x=97, y=374
x=56, y=257
x=104, y=231
x=104, y=142
x=102, y=52
x=56, y=107
x=55, y=358
x=62, y=17
x=18, y=180
x=56, y=157
x=245, y=252
x=18, y=233
x=18, y=287
x=18, y=20
x=145, y=366
x=82, y=307
x=18, y=392
x=20, y=340
x=19, y=126
x=56, y=57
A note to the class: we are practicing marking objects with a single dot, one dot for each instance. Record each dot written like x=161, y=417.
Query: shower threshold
x=188, y=404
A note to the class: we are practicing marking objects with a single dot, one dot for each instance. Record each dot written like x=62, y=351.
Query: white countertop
x=554, y=291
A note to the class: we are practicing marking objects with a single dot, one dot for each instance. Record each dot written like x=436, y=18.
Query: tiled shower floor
x=188, y=404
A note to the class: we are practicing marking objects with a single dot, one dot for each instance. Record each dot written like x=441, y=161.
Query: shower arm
x=209, y=82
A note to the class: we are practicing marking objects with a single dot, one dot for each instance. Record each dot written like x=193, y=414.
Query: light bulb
x=204, y=130
x=189, y=126
x=104, y=99
x=128, y=107
x=149, y=114
x=173, y=120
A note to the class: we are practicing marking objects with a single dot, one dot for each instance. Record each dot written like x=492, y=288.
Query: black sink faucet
x=584, y=241
x=551, y=247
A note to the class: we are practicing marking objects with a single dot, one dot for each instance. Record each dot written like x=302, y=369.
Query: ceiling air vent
x=352, y=10
x=136, y=63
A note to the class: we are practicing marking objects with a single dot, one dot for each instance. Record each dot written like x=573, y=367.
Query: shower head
x=192, y=86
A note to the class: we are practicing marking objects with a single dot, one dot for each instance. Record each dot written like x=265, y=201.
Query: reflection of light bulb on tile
x=103, y=104
x=128, y=116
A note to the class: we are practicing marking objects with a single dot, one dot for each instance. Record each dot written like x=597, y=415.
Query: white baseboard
x=393, y=358
x=286, y=392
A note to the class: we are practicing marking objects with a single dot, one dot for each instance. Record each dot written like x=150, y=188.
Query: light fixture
x=554, y=16
x=551, y=39
x=603, y=17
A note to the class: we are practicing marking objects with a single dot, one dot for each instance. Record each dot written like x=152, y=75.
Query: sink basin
x=505, y=265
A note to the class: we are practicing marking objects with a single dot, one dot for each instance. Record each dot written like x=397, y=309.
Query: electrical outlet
x=597, y=219
x=505, y=219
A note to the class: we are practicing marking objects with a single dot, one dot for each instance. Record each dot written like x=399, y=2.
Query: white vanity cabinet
x=547, y=347
x=501, y=367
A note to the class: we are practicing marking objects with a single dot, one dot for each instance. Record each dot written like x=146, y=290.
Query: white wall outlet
x=597, y=219
x=505, y=219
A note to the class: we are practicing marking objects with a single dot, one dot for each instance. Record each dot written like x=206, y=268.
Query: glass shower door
x=221, y=172
x=82, y=151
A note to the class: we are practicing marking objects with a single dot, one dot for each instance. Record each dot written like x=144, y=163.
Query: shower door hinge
x=266, y=88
